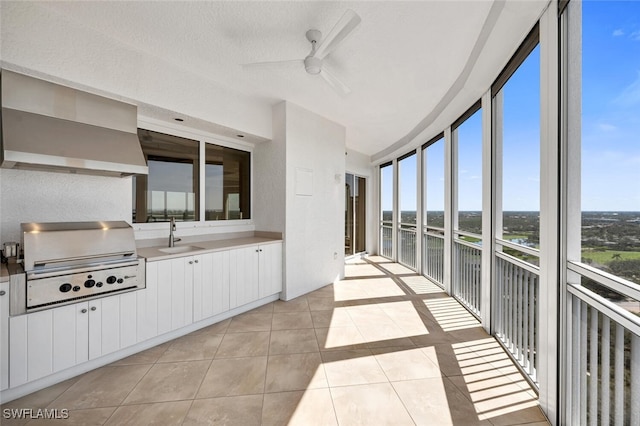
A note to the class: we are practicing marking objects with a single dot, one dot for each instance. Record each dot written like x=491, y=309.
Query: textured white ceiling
x=399, y=63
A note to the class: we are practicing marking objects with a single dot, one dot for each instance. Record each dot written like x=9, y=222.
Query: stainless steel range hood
x=46, y=126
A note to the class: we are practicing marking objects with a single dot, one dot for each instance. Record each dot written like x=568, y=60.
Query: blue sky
x=610, y=160
x=611, y=105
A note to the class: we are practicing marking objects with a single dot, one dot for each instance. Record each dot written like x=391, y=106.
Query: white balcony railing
x=604, y=360
x=407, y=245
x=433, y=255
x=466, y=274
x=516, y=310
x=386, y=238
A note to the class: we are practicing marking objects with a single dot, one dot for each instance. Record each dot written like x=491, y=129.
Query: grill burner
x=67, y=262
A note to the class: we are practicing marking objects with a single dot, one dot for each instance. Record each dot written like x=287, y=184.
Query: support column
x=396, y=213
x=450, y=205
x=419, y=209
x=549, y=290
x=487, y=214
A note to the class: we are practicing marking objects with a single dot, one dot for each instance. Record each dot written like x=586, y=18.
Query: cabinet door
x=211, y=285
x=18, y=350
x=243, y=276
x=128, y=320
x=70, y=335
x=175, y=293
x=104, y=326
x=4, y=335
x=182, y=291
x=164, y=278
x=270, y=269
x=30, y=347
x=147, y=305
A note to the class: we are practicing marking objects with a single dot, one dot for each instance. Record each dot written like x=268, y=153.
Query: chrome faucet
x=172, y=228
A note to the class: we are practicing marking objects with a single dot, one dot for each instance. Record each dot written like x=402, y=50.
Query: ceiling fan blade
x=274, y=64
x=335, y=83
x=343, y=28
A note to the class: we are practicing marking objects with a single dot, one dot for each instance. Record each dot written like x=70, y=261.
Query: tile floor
x=383, y=346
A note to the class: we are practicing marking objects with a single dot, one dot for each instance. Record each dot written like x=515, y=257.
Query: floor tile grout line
x=204, y=376
x=188, y=411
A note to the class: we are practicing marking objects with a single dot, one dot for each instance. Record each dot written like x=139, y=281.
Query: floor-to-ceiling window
x=467, y=212
x=603, y=212
x=355, y=214
x=407, y=194
x=386, y=210
x=516, y=142
x=433, y=209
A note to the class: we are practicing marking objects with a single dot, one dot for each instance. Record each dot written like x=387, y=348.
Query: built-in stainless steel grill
x=71, y=261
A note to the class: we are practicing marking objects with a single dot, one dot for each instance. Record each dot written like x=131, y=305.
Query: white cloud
x=617, y=33
x=630, y=96
x=606, y=127
x=635, y=36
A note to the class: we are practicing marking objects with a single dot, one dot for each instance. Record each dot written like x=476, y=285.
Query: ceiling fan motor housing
x=312, y=64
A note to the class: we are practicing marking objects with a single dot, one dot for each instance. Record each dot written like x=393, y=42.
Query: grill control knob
x=99, y=284
x=120, y=280
x=89, y=283
x=65, y=287
x=76, y=288
x=111, y=279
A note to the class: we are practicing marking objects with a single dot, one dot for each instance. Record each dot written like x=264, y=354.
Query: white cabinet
x=243, y=275
x=172, y=281
x=4, y=335
x=254, y=272
x=210, y=285
x=270, y=269
x=42, y=343
x=147, y=305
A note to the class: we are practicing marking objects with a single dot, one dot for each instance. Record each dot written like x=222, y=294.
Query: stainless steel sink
x=179, y=249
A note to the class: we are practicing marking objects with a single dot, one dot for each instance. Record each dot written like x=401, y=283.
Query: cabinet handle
x=260, y=249
x=93, y=308
x=196, y=261
x=2, y=292
x=191, y=262
x=257, y=250
x=84, y=311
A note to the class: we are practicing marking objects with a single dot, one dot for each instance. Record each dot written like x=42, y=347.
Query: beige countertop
x=152, y=254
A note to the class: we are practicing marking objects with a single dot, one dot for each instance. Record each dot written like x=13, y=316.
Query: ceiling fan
x=320, y=48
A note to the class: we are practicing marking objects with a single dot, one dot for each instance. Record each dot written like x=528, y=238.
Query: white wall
x=34, y=196
x=269, y=177
x=49, y=45
x=314, y=234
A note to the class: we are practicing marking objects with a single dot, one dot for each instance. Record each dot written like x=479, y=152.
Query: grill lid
x=73, y=244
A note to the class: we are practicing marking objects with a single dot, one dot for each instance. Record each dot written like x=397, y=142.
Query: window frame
x=203, y=138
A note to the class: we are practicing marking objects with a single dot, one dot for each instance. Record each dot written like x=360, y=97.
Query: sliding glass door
x=354, y=214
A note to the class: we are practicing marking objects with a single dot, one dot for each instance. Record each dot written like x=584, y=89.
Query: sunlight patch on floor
x=362, y=270
x=450, y=315
x=421, y=285
x=405, y=316
x=493, y=393
x=396, y=268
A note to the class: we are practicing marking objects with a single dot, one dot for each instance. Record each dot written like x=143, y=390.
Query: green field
x=606, y=256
